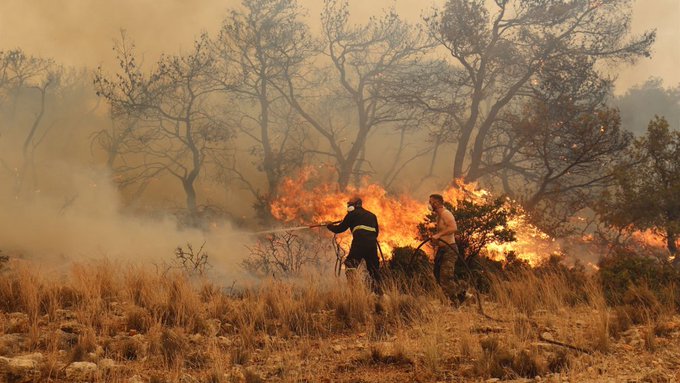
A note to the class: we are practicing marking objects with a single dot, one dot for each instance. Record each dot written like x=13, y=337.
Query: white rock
x=12, y=341
x=81, y=371
x=36, y=356
x=20, y=370
x=106, y=364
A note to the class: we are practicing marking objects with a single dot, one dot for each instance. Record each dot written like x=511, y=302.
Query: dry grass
x=526, y=291
x=161, y=326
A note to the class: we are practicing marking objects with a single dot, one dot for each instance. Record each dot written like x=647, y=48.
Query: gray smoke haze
x=84, y=219
x=81, y=32
x=58, y=205
x=75, y=212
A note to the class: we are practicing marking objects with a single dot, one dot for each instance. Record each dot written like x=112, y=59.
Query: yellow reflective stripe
x=363, y=227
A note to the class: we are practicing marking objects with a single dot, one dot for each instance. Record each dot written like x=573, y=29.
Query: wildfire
x=649, y=238
x=532, y=245
x=309, y=199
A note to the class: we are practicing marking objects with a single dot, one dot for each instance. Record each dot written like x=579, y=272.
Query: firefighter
x=364, y=227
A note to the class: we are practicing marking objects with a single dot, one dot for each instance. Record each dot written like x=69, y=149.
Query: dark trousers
x=366, y=249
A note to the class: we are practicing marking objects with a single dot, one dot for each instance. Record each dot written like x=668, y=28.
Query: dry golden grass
x=163, y=327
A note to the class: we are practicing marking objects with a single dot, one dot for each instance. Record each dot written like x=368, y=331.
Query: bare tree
x=285, y=254
x=365, y=61
x=31, y=82
x=433, y=93
x=265, y=43
x=178, y=129
x=114, y=138
x=503, y=48
x=19, y=71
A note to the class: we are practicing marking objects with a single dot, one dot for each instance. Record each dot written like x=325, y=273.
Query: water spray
x=296, y=228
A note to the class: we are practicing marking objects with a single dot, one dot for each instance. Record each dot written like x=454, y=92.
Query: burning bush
x=494, y=225
x=480, y=223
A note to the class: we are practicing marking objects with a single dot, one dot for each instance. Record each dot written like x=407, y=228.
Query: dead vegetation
x=118, y=323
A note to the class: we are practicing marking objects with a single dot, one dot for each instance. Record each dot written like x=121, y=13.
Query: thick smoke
x=84, y=220
x=81, y=32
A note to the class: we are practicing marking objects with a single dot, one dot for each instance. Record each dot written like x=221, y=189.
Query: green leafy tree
x=561, y=155
x=648, y=188
x=503, y=47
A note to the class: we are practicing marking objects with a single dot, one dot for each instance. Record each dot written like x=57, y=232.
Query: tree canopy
x=648, y=186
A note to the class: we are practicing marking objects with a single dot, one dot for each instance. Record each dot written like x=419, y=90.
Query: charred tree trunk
x=196, y=163
x=27, y=149
x=345, y=174
x=192, y=207
x=464, y=140
x=671, y=238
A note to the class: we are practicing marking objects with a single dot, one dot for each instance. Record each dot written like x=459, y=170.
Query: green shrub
x=408, y=262
x=623, y=269
x=410, y=270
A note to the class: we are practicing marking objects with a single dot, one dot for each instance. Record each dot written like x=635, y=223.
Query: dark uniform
x=364, y=227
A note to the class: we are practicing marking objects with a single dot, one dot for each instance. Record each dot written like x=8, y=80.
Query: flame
x=310, y=199
x=649, y=238
x=532, y=245
x=301, y=201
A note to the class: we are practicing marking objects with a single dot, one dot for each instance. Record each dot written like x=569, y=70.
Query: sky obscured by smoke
x=81, y=32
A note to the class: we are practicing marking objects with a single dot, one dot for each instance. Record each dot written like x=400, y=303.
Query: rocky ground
x=455, y=346
x=107, y=323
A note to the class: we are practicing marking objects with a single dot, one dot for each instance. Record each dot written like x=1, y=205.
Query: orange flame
x=649, y=238
x=309, y=199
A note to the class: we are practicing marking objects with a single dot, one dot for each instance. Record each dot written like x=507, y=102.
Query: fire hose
x=289, y=229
